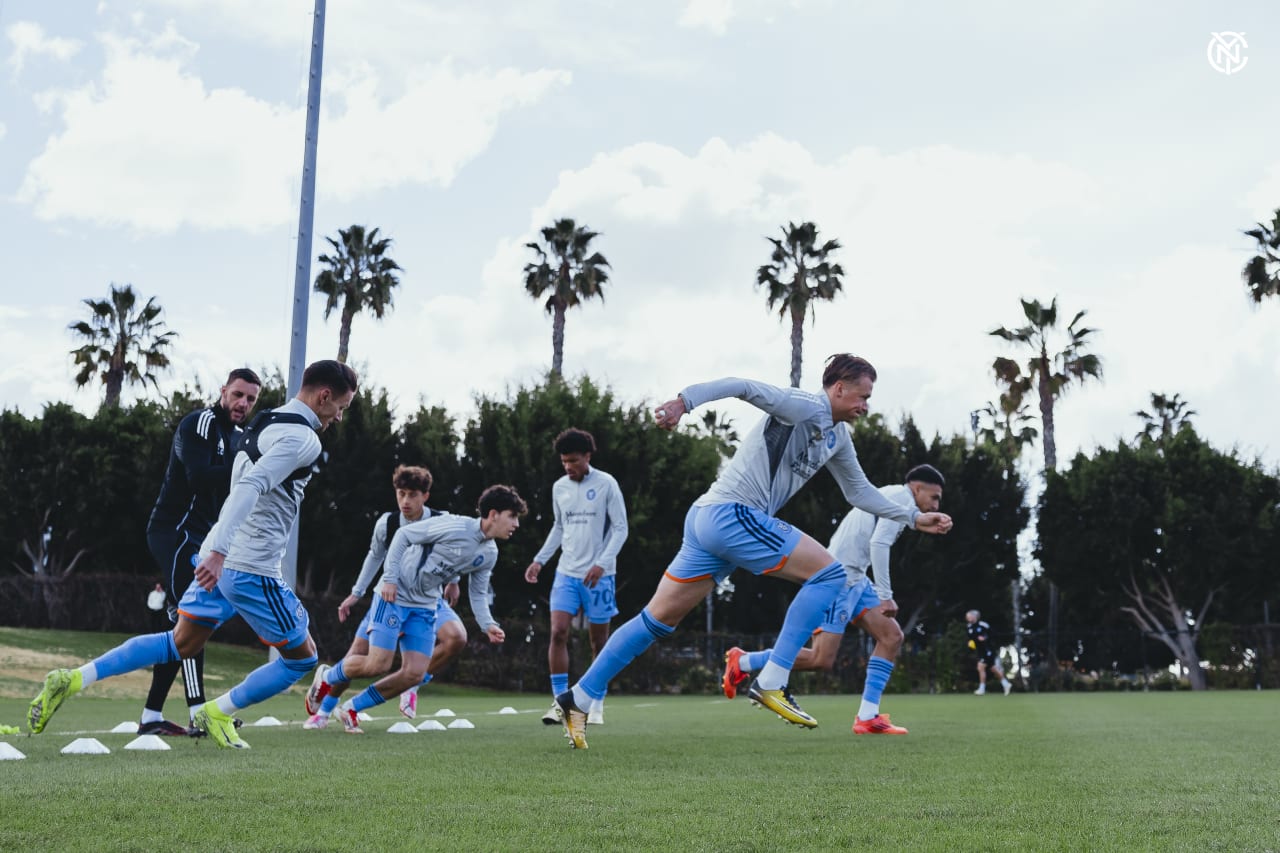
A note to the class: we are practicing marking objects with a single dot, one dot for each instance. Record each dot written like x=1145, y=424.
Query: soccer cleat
x=1007, y=687
x=350, y=720
x=596, y=718
x=316, y=721
x=782, y=703
x=164, y=728
x=733, y=676
x=554, y=717
x=575, y=719
x=318, y=689
x=220, y=727
x=877, y=725
x=58, y=686
x=409, y=703
x=981, y=691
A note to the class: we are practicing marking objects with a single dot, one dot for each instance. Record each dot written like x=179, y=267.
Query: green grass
x=1049, y=772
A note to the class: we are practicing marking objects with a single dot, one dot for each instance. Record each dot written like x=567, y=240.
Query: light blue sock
x=878, y=671
x=367, y=699
x=559, y=683
x=426, y=679
x=752, y=661
x=137, y=652
x=805, y=614
x=271, y=678
x=627, y=643
x=336, y=674
x=328, y=703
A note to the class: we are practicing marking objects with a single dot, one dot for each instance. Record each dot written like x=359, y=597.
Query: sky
x=966, y=156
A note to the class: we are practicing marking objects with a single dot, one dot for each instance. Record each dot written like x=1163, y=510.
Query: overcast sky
x=966, y=155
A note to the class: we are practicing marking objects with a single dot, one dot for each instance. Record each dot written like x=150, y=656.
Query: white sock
x=580, y=697
x=150, y=716
x=88, y=675
x=597, y=705
x=773, y=677
x=192, y=710
x=868, y=710
x=225, y=705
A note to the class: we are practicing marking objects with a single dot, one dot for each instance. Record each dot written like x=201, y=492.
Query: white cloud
x=712, y=15
x=149, y=146
x=28, y=39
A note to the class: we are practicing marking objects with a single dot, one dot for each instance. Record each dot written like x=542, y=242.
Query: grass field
x=1127, y=772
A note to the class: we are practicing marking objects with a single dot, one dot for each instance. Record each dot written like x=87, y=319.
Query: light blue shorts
x=444, y=614
x=272, y=610
x=848, y=606
x=570, y=594
x=722, y=537
x=413, y=628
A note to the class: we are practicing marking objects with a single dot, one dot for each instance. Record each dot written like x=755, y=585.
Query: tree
x=1048, y=375
x=1168, y=415
x=1262, y=273
x=1008, y=427
x=798, y=274
x=121, y=344
x=360, y=275
x=567, y=275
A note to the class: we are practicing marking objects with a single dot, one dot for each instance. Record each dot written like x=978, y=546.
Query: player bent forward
x=861, y=542
x=423, y=556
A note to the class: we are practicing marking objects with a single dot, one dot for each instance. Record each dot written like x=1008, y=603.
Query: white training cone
x=267, y=721
x=147, y=742
x=508, y=710
x=128, y=727
x=402, y=728
x=363, y=717
x=431, y=726
x=462, y=724
x=8, y=752
x=85, y=746
x=445, y=712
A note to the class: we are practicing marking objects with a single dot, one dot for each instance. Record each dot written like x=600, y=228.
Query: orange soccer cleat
x=877, y=725
x=733, y=676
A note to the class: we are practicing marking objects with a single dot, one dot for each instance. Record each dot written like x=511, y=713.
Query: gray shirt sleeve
x=857, y=489
x=779, y=402
x=373, y=559
x=555, y=536
x=478, y=591
x=618, y=529
x=886, y=533
x=285, y=455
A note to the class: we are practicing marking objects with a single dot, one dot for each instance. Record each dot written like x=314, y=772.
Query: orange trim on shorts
x=688, y=580
x=276, y=645
x=781, y=563
x=199, y=620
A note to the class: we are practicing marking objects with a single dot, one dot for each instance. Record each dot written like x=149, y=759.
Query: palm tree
x=1008, y=426
x=1167, y=417
x=797, y=275
x=1049, y=375
x=566, y=274
x=361, y=275
x=121, y=344
x=1262, y=273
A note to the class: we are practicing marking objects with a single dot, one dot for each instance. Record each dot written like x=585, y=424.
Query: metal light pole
x=302, y=270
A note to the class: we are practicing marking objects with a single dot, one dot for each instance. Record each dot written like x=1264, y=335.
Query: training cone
x=86, y=746
x=363, y=717
x=431, y=726
x=147, y=742
x=445, y=712
x=508, y=710
x=8, y=752
x=462, y=724
x=128, y=727
x=402, y=728
x=268, y=721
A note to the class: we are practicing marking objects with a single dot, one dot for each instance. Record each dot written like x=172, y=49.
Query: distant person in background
x=979, y=632
x=196, y=483
x=156, y=604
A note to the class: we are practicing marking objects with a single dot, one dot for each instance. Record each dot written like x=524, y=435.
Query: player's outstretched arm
x=933, y=522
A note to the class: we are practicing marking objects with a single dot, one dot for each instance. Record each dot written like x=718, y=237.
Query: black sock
x=193, y=677
x=162, y=676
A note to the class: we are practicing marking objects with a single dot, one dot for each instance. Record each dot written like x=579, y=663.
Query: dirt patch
x=24, y=671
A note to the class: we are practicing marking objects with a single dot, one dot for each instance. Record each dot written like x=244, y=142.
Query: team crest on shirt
x=478, y=560
x=222, y=450
x=591, y=494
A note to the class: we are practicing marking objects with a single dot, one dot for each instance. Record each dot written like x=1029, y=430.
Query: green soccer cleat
x=58, y=685
x=782, y=703
x=220, y=727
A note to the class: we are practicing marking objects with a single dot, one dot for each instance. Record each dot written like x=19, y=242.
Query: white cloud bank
x=28, y=39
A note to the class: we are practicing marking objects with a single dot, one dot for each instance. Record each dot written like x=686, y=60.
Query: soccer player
x=239, y=570
x=861, y=542
x=590, y=527
x=412, y=486
x=422, y=557
x=733, y=525
x=196, y=483
x=978, y=632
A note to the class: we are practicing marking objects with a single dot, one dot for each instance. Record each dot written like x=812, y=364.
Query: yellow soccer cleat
x=575, y=719
x=58, y=686
x=220, y=727
x=782, y=703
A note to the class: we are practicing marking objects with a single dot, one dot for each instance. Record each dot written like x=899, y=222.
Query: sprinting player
x=861, y=542
x=590, y=527
x=196, y=483
x=239, y=569
x=413, y=488
x=423, y=556
x=733, y=525
x=978, y=632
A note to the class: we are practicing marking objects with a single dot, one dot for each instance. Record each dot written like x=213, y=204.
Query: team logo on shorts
x=301, y=611
x=784, y=528
x=591, y=494
x=393, y=621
